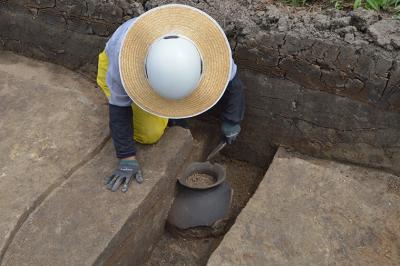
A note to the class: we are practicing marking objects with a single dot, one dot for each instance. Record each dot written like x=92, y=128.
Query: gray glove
x=123, y=174
x=230, y=131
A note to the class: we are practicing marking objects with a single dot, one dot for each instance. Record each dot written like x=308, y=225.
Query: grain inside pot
x=200, y=180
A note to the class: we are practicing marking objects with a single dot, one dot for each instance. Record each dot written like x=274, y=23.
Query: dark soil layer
x=177, y=250
x=324, y=82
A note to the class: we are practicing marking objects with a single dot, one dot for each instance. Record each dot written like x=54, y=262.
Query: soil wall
x=326, y=84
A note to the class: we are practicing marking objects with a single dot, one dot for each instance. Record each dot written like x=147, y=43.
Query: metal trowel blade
x=217, y=149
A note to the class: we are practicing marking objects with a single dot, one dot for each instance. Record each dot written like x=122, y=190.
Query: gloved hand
x=123, y=174
x=230, y=131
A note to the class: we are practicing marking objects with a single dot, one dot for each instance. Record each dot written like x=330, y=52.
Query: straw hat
x=208, y=37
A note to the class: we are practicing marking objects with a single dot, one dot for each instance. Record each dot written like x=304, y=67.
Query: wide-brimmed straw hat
x=208, y=37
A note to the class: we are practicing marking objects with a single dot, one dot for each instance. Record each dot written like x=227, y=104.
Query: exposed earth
x=183, y=249
x=309, y=211
x=322, y=82
x=55, y=151
x=347, y=64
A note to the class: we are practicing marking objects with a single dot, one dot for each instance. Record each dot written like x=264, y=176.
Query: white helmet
x=173, y=66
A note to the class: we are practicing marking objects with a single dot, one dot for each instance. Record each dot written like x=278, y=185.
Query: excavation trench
x=187, y=247
x=323, y=83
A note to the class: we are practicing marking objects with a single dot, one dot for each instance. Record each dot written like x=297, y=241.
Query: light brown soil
x=198, y=180
x=394, y=186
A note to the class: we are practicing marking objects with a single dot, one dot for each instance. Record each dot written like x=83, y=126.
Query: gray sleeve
x=233, y=70
x=118, y=97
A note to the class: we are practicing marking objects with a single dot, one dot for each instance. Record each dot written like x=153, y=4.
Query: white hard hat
x=173, y=66
x=156, y=80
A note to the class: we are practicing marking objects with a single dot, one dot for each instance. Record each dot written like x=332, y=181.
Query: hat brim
x=211, y=42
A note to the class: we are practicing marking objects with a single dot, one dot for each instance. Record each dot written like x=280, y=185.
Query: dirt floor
x=173, y=249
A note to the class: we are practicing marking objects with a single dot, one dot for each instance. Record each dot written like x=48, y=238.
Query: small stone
x=260, y=13
x=246, y=31
x=273, y=14
x=349, y=37
x=341, y=22
x=33, y=11
x=283, y=24
x=294, y=105
x=129, y=11
x=385, y=32
x=362, y=18
x=396, y=43
x=360, y=42
x=123, y=4
x=348, y=29
x=322, y=22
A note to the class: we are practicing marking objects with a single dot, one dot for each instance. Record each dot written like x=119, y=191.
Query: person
x=172, y=62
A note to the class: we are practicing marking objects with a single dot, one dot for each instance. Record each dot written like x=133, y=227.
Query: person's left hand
x=230, y=131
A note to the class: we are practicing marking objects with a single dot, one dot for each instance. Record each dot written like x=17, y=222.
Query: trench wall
x=326, y=83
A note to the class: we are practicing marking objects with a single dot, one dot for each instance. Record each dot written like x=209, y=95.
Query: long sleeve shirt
x=120, y=103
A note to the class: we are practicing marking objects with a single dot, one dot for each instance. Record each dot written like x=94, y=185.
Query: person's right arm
x=120, y=118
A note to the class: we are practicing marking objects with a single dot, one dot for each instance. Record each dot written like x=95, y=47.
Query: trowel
x=216, y=150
